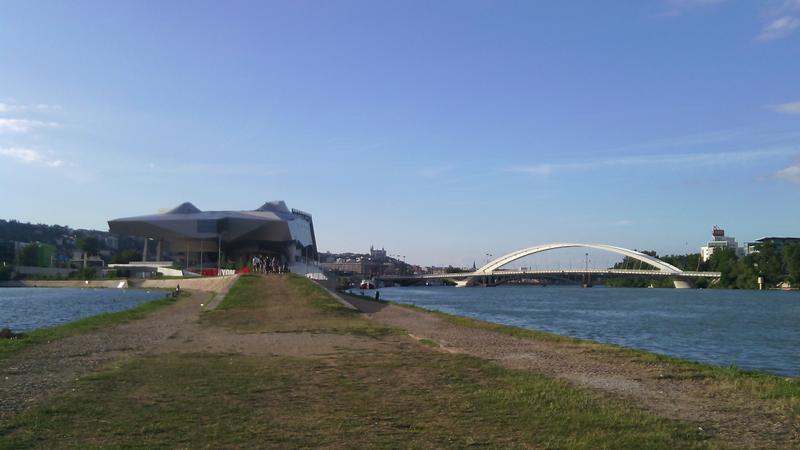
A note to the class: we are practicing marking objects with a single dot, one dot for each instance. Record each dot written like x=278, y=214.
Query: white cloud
x=623, y=222
x=22, y=125
x=786, y=108
x=30, y=156
x=778, y=28
x=790, y=174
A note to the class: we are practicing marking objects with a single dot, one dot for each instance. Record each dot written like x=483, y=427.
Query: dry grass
x=289, y=303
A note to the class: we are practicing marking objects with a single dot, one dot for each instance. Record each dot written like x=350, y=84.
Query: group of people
x=269, y=264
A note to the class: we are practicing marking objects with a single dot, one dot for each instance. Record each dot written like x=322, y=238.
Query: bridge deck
x=510, y=273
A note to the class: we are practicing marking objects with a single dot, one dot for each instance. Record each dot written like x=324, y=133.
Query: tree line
x=775, y=265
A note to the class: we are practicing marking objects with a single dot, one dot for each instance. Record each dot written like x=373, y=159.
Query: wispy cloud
x=782, y=19
x=433, y=172
x=786, y=108
x=6, y=107
x=663, y=160
x=778, y=29
x=711, y=137
x=543, y=170
x=790, y=174
x=30, y=156
x=689, y=4
x=19, y=126
x=623, y=223
x=677, y=8
x=787, y=5
x=216, y=169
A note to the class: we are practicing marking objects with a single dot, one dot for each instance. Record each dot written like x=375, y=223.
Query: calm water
x=24, y=309
x=755, y=330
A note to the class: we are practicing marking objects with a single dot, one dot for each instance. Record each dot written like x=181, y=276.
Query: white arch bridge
x=492, y=271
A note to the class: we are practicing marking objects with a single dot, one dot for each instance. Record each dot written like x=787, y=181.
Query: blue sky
x=442, y=130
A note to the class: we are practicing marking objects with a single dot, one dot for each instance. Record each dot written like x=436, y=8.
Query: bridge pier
x=682, y=284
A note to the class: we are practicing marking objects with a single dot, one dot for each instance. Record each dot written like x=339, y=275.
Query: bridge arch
x=495, y=264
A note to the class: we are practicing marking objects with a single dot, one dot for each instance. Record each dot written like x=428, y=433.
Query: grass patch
x=429, y=343
x=407, y=397
x=88, y=324
x=288, y=304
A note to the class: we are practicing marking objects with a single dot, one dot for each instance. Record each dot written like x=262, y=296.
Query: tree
x=29, y=255
x=126, y=256
x=791, y=259
x=36, y=254
x=724, y=260
x=767, y=263
x=88, y=245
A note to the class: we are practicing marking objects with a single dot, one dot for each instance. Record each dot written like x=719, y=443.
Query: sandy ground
x=736, y=419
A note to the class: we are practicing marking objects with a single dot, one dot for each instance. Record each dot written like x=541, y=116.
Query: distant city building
x=378, y=255
x=777, y=243
x=375, y=263
x=719, y=240
x=112, y=242
x=345, y=266
x=91, y=260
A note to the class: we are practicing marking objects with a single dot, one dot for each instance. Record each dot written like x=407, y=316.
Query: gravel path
x=735, y=419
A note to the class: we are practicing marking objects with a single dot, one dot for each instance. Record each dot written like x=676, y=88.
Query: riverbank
x=280, y=363
x=750, y=409
x=213, y=290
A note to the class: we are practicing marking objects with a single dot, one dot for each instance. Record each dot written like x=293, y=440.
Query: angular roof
x=273, y=221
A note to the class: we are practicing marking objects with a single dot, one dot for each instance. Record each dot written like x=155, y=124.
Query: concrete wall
x=46, y=271
x=62, y=283
x=210, y=284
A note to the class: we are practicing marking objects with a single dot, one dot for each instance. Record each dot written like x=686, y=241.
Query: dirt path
x=735, y=419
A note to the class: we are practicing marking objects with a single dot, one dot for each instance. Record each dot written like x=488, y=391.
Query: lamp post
x=760, y=278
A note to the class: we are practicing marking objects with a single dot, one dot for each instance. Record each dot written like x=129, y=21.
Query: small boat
x=367, y=284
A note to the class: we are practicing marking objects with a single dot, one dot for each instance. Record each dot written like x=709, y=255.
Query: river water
x=25, y=309
x=754, y=330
